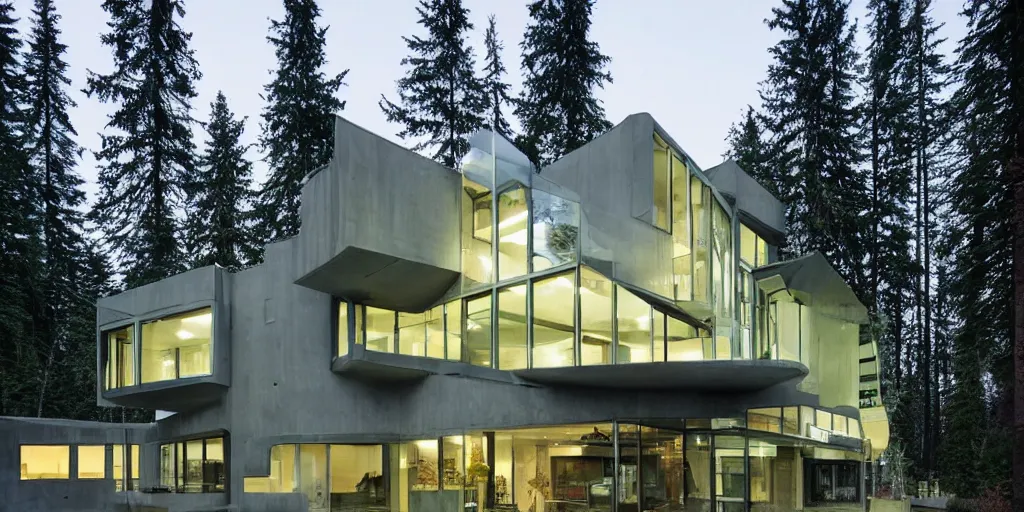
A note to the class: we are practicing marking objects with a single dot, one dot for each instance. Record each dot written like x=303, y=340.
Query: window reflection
x=453, y=330
x=512, y=353
x=595, y=318
x=555, y=230
x=513, y=220
x=120, y=365
x=723, y=272
x=177, y=346
x=697, y=472
x=421, y=334
x=730, y=476
x=635, y=324
x=554, y=324
x=682, y=265
x=662, y=216
x=476, y=232
x=687, y=343
x=478, y=330
x=193, y=466
x=343, y=330
x=700, y=201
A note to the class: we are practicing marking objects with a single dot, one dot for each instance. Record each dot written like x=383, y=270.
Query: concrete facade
x=381, y=228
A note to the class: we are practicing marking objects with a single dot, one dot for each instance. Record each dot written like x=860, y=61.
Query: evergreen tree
x=441, y=99
x=496, y=91
x=978, y=238
x=20, y=271
x=217, y=226
x=149, y=147
x=750, y=149
x=54, y=156
x=298, y=120
x=809, y=100
x=558, y=111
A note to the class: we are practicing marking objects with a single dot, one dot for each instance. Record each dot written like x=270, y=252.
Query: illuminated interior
x=119, y=368
x=177, y=346
x=91, y=461
x=45, y=462
x=193, y=466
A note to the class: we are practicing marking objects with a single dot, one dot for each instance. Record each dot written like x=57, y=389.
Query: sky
x=692, y=64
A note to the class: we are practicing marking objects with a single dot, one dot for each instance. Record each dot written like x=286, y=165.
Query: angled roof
x=815, y=283
x=762, y=209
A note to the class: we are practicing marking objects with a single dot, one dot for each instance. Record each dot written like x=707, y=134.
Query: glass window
x=659, y=336
x=730, y=476
x=120, y=364
x=746, y=312
x=686, y=342
x=748, y=246
x=839, y=424
x=313, y=475
x=478, y=330
x=134, y=482
x=853, y=430
x=697, y=469
x=766, y=419
x=556, y=230
x=213, y=465
x=193, y=466
x=634, y=325
x=554, y=321
x=453, y=469
x=682, y=266
x=513, y=224
x=357, y=473
x=380, y=329
x=823, y=419
x=343, y=331
x=412, y=334
x=700, y=200
x=435, y=332
x=476, y=233
x=723, y=282
x=453, y=328
x=45, y=462
x=807, y=418
x=512, y=349
x=422, y=460
x=788, y=328
x=120, y=462
x=282, y=472
x=92, y=461
x=358, y=334
x=762, y=252
x=167, y=469
x=193, y=458
x=595, y=318
x=662, y=185
x=764, y=463
x=177, y=346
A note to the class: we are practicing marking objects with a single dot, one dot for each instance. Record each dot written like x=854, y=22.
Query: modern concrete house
x=613, y=333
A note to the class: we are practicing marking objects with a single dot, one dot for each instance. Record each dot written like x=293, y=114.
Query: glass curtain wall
x=554, y=321
x=723, y=274
x=512, y=328
x=682, y=231
x=512, y=233
x=193, y=466
x=556, y=230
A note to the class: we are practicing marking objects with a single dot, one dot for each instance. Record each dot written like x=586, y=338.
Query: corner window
x=119, y=369
x=45, y=462
x=193, y=466
x=556, y=230
x=91, y=462
x=753, y=248
x=177, y=346
x=477, y=266
x=513, y=221
x=380, y=329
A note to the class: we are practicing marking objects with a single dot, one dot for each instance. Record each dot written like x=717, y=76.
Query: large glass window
x=700, y=201
x=513, y=224
x=92, y=461
x=120, y=364
x=313, y=475
x=686, y=342
x=282, y=472
x=177, y=346
x=595, y=318
x=753, y=248
x=45, y=462
x=682, y=264
x=723, y=273
x=697, y=472
x=477, y=266
x=193, y=466
x=635, y=324
x=662, y=185
x=120, y=463
x=555, y=230
x=421, y=334
x=343, y=330
x=766, y=419
x=453, y=328
x=380, y=329
x=478, y=330
x=828, y=482
x=512, y=328
x=554, y=322
x=730, y=476
x=357, y=478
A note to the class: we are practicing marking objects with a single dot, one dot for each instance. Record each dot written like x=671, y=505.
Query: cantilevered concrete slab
x=380, y=224
x=813, y=282
x=758, y=207
x=739, y=375
x=177, y=395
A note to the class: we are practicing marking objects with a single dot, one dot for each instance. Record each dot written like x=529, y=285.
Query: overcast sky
x=692, y=64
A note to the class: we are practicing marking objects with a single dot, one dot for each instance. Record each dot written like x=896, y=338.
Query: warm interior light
x=471, y=325
x=519, y=217
x=485, y=261
x=517, y=238
x=182, y=334
x=643, y=321
x=201, y=319
x=518, y=290
x=563, y=282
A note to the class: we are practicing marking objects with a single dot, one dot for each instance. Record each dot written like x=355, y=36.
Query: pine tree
x=751, y=150
x=979, y=230
x=298, y=120
x=217, y=226
x=496, y=90
x=148, y=148
x=808, y=97
x=54, y=156
x=20, y=273
x=558, y=110
x=442, y=101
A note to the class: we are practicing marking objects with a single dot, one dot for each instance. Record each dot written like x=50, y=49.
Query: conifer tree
x=20, y=301
x=54, y=155
x=298, y=120
x=809, y=99
x=496, y=90
x=751, y=150
x=442, y=101
x=558, y=110
x=148, y=146
x=217, y=229
x=979, y=233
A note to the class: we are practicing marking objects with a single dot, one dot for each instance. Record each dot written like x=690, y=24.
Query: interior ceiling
x=175, y=332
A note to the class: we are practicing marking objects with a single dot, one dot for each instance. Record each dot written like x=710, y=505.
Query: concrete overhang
x=381, y=280
x=813, y=282
x=758, y=208
x=383, y=367
x=692, y=375
x=694, y=312
x=177, y=395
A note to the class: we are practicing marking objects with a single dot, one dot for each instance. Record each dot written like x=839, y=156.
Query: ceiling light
x=184, y=335
x=643, y=321
x=200, y=319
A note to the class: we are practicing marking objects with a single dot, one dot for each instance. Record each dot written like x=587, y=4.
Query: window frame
x=72, y=453
x=181, y=481
x=104, y=343
x=178, y=311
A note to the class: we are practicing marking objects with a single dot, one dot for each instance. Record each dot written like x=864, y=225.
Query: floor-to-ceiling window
x=194, y=465
x=177, y=346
